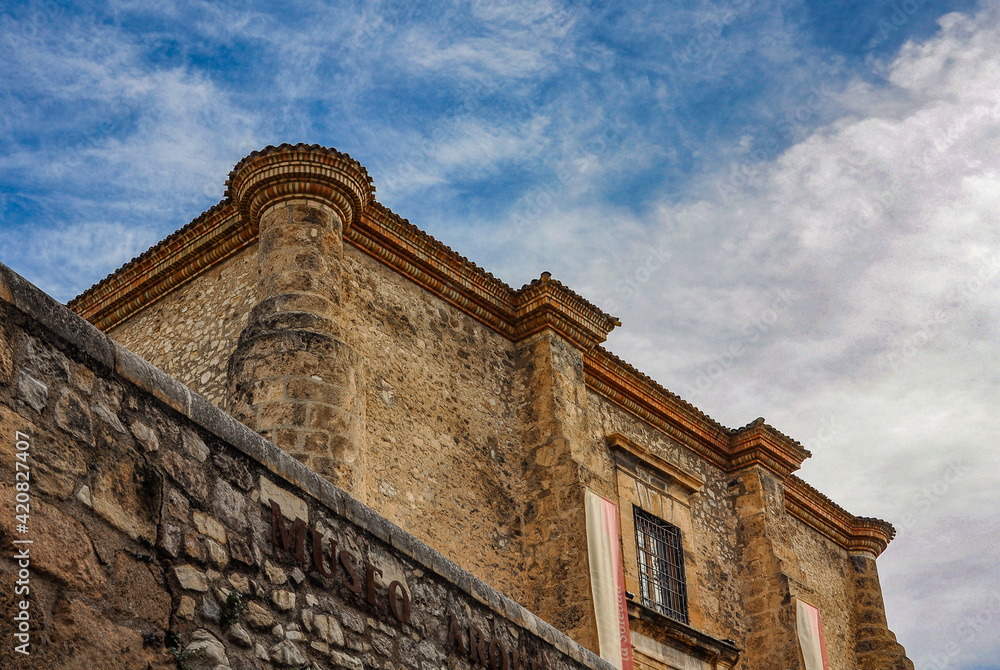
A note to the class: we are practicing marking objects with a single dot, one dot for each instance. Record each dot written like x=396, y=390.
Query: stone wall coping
x=79, y=334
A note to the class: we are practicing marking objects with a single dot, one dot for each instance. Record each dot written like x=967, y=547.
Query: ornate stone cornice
x=201, y=244
x=280, y=173
x=622, y=384
x=636, y=455
x=547, y=303
x=853, y=533
x=760, y=444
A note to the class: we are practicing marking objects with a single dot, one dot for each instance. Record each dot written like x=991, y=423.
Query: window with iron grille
x=661, y=566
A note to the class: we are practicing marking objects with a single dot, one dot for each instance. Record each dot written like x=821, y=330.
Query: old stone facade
x=437, y=418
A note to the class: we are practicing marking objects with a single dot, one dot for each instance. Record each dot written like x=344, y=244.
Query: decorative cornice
x=195, y=248
x=853, y=533
x=547, y=303
x=760, y=444
x=649, y=622
x=290, y=171
x=622, y=384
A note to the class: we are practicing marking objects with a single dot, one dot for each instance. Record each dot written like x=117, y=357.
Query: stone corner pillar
x=875, y=646
x=553, y=330
x=292, y=378
x=765, y=582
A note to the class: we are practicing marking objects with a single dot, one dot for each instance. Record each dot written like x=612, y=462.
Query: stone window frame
x=648, y=482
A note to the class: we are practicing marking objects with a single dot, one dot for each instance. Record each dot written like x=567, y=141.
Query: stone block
x=126, y=493
x=191, y=578
x=257, y=617
x=135, y=592
x=185, y=472
x=205, y=652
x=291, y=505
x=73, y=417
x=206, y=525
x=32, y=391
x=61, y=546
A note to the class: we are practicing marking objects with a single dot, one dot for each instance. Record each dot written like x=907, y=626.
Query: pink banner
x=608, y=581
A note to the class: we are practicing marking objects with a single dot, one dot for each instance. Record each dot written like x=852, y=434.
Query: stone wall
x=442, y=400
x=165, y=534
x=191, y=333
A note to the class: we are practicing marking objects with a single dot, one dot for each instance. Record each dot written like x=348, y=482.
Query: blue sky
x=811, y=184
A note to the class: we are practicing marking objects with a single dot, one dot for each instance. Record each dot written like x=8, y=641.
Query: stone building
x=487, y=423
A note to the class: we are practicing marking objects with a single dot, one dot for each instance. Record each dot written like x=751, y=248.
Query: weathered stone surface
x=230, y=505
x=291, y=505
x=258, y=617
x=210, y=609
x=108, y=415
x=135, y=592
x=241, y=550
x=170, y=538
x=283, y=600
x=216, y=553
x=233, y=471
x=185, y=610
x=32, y=391
x=57, y=464
x=61, y=547
x=191, y=578
x=73, y=417
x=194, y=446
x=127, y=494
x=342, y=660
x=84, y=638
x=206, y=525
x=6, y=355
x=328, y=629
x=185, y=472
x=275, y=575
x=240, y=582
x=239, y=634
x=206, y=652
x=145, y=435
x=286, y=654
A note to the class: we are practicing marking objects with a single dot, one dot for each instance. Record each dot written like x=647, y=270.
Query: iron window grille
x=661, y=566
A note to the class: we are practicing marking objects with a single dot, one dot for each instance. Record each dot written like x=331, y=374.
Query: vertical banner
x=607, y=580
x=811, y=639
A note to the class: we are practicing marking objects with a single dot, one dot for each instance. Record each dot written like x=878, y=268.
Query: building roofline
x=544, y=303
